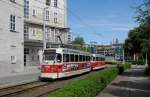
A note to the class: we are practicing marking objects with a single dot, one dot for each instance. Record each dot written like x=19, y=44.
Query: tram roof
x=68, y=51
x=98, y=55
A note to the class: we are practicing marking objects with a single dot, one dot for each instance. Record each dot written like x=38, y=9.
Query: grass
x=123, y=67
x=90, y=86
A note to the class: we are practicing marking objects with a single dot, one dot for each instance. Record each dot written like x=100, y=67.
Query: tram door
x=26, y=56
x=25, y=60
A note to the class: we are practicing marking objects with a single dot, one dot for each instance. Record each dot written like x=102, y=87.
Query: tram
x=64, y=62
x=97, y=61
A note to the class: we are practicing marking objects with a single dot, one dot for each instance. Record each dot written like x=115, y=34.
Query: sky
x=102, y=21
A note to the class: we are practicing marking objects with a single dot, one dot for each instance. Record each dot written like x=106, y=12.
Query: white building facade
x=21, y=31
x=11, y=36
x=37, y=13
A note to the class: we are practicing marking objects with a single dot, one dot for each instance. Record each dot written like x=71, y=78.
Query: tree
x=143, y=12
x=78, y=41
x=138, y=41
x=133, y=43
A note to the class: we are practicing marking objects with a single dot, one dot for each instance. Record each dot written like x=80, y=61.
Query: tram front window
x=50, y=58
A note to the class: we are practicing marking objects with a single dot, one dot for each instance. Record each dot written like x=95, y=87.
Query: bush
x=140, y=62
x=123, y=67
x=147, y=70
x=113, y=63
x=90, y=86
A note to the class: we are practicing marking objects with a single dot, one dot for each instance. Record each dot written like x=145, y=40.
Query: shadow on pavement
x=129, y=93
x=135, y=73
x=137, y=85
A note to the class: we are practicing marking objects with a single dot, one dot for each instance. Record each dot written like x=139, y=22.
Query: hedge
x=139, y=62
x=147, y=70
x=123, y=67
x=90, y=86
x=112, y=63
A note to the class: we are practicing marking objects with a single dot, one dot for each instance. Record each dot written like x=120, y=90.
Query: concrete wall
x=11, y=43
x=35, y=25
x=36, y=20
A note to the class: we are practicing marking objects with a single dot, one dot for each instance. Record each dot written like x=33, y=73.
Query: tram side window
x=99, y=59
x=59, y=58
x=94, y=59
x=76, y=58
x=89, y=58
x=72, y=58
x=66, y=57
x=84, y=58
x=80, y=58
x=103, y=59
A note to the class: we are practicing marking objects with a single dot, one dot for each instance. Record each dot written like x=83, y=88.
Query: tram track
x=8, y=91
x=38, y=88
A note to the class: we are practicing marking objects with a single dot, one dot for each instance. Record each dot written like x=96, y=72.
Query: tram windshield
x=52, y=57
x=49, y=57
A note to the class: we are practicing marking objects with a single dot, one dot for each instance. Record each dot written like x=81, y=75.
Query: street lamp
x=146, y=63
x=123, y=56
x=44, y=28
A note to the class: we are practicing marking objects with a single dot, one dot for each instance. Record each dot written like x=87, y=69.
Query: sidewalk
x=30, y=74
x=132, y=83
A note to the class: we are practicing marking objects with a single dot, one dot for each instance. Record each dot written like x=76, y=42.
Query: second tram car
x=98, y=61
x=63, y=62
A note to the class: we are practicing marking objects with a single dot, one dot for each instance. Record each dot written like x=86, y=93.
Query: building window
x=13, y=59
x=32, y=57
x=26, y=51
x=55, y=3
x=47, y=15
x=55, y=17
x=34, y=32
x=55, y=20
x=48, y=2
x=34, y=12
x=47, y=34
x=26, y=8
x=12, y=23
x=33, y=51
x=26, y=32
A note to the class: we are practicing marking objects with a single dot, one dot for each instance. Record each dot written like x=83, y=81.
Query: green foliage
x=138, y=41
x=87, y=87
x=123, y=67
x=112, y=63
x=78, y=41
x=143, y=12
x=133, y=42
x=147, y=70
x=139, y=62
x=79, y=44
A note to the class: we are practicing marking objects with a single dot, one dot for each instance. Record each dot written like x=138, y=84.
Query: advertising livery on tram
x=63, y=62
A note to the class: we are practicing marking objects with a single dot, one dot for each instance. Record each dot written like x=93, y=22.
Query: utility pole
x=44, y=28
x=123, y=56
x=146, y=63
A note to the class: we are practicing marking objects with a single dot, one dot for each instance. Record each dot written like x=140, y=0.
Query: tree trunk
x=134, y=56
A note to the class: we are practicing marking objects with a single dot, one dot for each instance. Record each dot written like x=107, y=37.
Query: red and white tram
x=98, y=61
x=63, y=62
